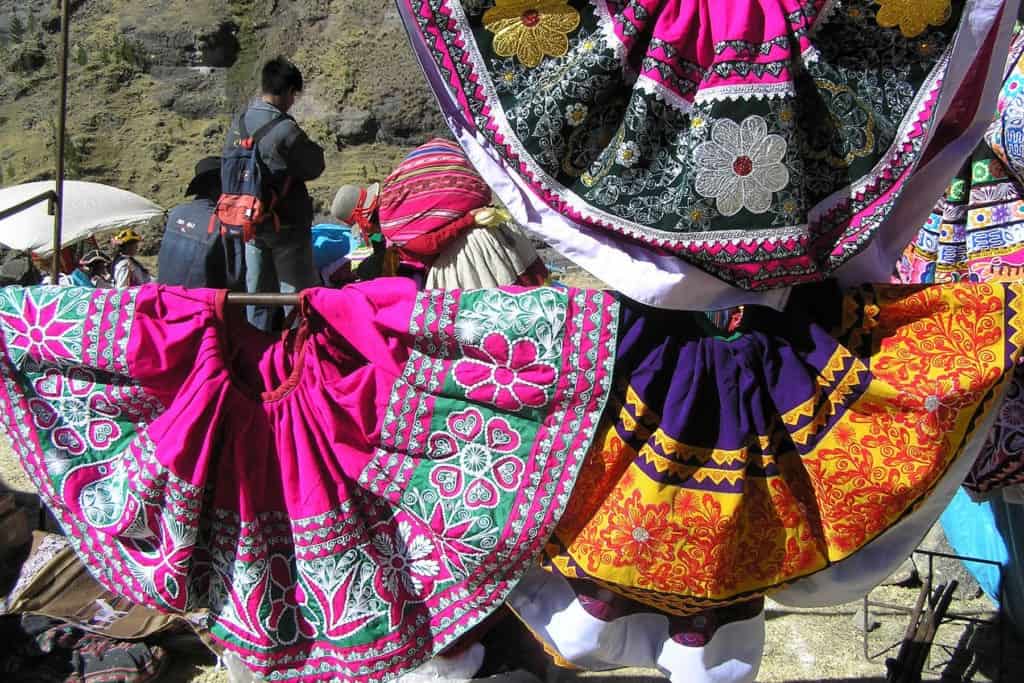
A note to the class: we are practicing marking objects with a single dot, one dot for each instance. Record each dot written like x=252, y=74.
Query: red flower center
x=36, y=335
x=743, y=165
x=504, y=376
x=530, y=18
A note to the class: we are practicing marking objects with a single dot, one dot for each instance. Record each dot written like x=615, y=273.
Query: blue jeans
x=289, y=253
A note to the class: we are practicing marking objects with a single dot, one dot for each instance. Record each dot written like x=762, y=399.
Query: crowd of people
x=438, y=227
x=430, y=220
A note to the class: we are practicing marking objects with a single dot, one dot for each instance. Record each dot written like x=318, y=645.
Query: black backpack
x=247, y=200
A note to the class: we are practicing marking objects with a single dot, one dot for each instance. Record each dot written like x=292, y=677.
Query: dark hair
x=280, y=76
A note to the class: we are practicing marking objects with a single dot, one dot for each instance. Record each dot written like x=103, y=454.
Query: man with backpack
x=266, y=162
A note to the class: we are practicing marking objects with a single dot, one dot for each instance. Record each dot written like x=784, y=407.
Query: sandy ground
x=803, y=645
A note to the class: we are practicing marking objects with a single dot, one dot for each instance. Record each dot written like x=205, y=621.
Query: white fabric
x=549, y=607
x=461, y=667
x=669, y=282
x=482, y=258
x=89, y=208
x=853, y=577
x=128, y=273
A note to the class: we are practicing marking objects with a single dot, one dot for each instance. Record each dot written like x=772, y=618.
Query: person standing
x=93, y=271
x=128, y=272
x=193, y=252
x=289, y=159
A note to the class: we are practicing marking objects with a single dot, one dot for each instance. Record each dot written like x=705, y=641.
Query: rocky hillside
x=154, y=82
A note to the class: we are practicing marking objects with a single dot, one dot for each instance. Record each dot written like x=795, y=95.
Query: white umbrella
x=89, y=208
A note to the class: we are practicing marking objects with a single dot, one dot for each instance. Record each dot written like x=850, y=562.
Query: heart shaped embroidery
x=43, y=414
x=448, y=481
x=99, y=403
x=442, y=446
x=466, y=425
x=80, y=381
x=500, y=436
x=68, y=439
x=481, y=493
x=102, y=433
x=50, y=385
x=508, y=473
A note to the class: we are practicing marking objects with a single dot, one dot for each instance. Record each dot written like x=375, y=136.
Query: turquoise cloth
x=330, y=243
x=991, y=530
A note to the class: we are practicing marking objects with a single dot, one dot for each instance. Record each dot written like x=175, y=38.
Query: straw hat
x=352, y=197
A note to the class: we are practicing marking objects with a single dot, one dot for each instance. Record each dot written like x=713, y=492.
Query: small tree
x=81, y=57
x=16, y=29
x=10, y=171
x=32, y=24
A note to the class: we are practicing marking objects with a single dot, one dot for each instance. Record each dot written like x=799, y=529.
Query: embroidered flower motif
x=740, y=166
x=938, y=407
x=576, y=114
x=640, y=533
x=479, y=458
x=508, y=76
x=531, y=29
x=699, y=215
x=285, y=618
x=406, y=560
x=78, y=416
x=508, y=376
x=36, y=329
x=628, y=154
x=1001, y=214
x=912, y=16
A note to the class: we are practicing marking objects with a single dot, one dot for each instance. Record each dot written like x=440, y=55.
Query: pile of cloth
x=752, y=408
x=59, y=625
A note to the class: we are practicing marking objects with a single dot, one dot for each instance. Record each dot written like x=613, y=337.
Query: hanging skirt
x=764, y=143
x=976, y=233
x=729, y=465
x=346, y=501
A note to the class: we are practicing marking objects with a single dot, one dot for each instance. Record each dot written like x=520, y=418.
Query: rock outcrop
x=153, y=84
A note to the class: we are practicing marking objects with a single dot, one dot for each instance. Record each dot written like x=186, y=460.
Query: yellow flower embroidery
x=531, y=29
x=912, y=16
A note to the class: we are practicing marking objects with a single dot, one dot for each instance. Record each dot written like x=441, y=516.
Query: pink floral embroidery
x=37, y=330
x=285, y=618
x=508, y=376
x=472, y=445
x=80, y=418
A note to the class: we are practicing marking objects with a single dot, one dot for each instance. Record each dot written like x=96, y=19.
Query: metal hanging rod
x=239, y=299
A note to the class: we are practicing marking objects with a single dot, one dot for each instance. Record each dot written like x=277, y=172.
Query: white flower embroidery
x=740, y=167
x=628, y=154
x=576, y=114
x=406, y=558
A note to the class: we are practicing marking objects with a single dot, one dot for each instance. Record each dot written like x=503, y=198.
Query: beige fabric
x=482, y=258
x=54, y=582
x=347, y=199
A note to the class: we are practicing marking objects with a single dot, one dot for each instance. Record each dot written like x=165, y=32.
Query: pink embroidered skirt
x=346, y=501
